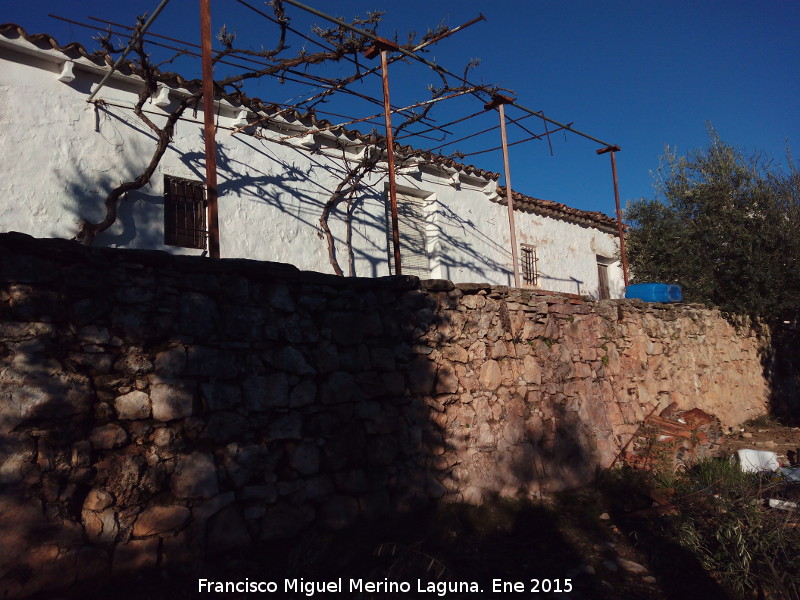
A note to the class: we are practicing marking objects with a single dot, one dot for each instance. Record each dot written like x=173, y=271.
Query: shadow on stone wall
x=781, y=362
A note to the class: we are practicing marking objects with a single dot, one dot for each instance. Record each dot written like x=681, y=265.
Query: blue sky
x=641, y=75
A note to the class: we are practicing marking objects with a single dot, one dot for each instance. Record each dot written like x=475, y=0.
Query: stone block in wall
x=92, y=361
x=220, y=396
x=338, y=387
x=33, y=391
x=395, y=383
x=135, y=555
x=16, y=459
x=356, y=358
x=370, y=384
x=266, y=392
x=29, y=269
x=133, y=362
x=17, y=332
x=491, y=375
x=455, y=353
x=279, y=296
x=421, y=374
x=224, y=426
x=137, y=326
x=351, y=482
x=91, y=563
x=263, y=494
x=171, y=401
x=382, y=358
x=227, y=531
x=303, y=394
x=170, y=362
x=326, y=357
x=287, y=426
x=382, y=450
x=206, y=361
x=304, y=458
x=531, y=370
x=242, y=322
x=200, y=282
x=89, y=310
x=21, y=520
x=195, y=476
x=446, y=379
x=284, y=520
x=161, y=519
x=101, y=527
x=198, y=315
x=181, y=548
x=133, y=405
x=434, y=488
x=318, y=487
x=582, y=370
x=108, y=436
x=205, y=509
x=97, y=500
x=291, y=360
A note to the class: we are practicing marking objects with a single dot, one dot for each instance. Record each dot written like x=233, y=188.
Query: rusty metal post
x=387, y=112
x=620, y=230
x=208, y=127
x=509, y=195
x=498, y=102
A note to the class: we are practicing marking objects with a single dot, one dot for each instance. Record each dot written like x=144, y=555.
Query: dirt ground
x=765, y=434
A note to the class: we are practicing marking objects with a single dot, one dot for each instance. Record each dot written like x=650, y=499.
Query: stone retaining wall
x=155, y=407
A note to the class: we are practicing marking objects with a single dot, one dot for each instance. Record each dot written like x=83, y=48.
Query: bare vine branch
x=347, y=186
x=343, y=43
x=87, y=230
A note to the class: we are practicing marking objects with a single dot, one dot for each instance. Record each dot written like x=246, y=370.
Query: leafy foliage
x=723, y=225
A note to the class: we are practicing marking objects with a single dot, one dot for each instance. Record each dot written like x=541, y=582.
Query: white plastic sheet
x=755, y=461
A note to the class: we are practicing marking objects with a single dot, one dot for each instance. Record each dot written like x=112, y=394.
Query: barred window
x=413, y=239
x=184, y=213
x=530, y=270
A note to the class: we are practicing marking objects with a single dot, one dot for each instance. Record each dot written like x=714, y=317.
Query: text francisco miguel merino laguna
x=309, y=588
x=440, y=588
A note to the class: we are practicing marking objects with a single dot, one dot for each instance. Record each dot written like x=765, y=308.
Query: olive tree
x=725, y=225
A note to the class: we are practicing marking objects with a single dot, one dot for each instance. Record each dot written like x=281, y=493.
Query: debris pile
x=674, y=439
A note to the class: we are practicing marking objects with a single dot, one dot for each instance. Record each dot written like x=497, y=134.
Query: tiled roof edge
x=74, y=50
x=558, y=210
x=523, y=202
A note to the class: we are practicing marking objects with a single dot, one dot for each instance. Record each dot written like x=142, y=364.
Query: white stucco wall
x=61, y=157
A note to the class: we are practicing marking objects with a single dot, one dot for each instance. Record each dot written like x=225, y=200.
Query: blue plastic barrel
x=655, y=292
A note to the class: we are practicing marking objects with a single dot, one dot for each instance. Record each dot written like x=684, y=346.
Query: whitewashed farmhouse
x=61, y=156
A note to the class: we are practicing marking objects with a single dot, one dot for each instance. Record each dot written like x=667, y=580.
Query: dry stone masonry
x=155, y=408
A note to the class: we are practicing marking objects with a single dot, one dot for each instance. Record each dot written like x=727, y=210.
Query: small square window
x=184, y=213
x=528, y=260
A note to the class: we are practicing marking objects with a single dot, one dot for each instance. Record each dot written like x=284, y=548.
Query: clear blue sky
x=641, y=75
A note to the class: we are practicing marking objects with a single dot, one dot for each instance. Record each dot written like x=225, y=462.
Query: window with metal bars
x=528, y=260
x=184, y=213
x=413, y=239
